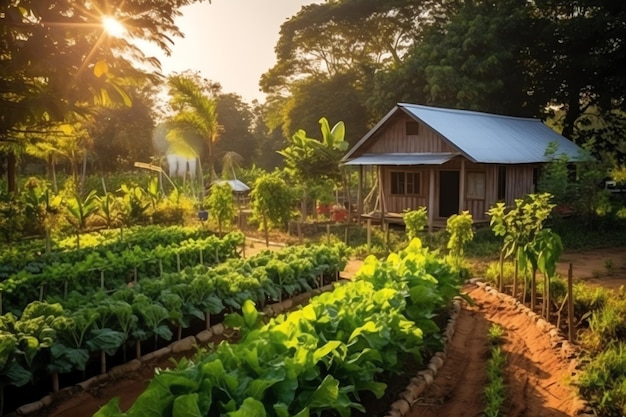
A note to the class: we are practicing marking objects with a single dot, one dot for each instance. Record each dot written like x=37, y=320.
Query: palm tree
x=195, y=115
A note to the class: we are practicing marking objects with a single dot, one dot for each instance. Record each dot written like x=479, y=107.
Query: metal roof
x=484, y=137
x=236, y=185
x=401, y=159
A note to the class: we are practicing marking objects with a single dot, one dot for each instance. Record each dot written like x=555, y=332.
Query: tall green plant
x=520, y=226
x=271, y=202
x=79, y=210
x=221, y=203
x=415, y=221
x=109, y=209
x=459, y=227
x=308, y=160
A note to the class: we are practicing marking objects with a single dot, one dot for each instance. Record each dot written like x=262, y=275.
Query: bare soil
x=536, y=377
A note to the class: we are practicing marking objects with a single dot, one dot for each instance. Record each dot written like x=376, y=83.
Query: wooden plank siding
x=476, y=206
x=393, y=139
x=519, y=182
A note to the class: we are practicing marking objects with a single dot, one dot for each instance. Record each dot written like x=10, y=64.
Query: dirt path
x=536, y=376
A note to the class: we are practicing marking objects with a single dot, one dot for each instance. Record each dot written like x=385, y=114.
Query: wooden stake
x=571, y=335
x=102, y=279
x=369, y=234
x=328, y=234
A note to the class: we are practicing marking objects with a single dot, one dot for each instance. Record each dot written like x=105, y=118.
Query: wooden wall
x=393, y=139
x=519, y=182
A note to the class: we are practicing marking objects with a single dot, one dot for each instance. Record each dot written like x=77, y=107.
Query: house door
x=448, y=193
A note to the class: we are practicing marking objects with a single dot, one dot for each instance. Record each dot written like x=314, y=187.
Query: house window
x=406, y=183
x=412, y=128
x=476, y=185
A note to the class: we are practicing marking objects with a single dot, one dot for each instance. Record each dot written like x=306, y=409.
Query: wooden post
x=369, y=234
x=515, y=274
x=347, y=234
x=328, y=234
x=462, y=187
x=533, y=290
x=431, y=199
x=359, y=196
x=177, y=262
x=102, y=279
x=201, y=261
x=380, y=195
x=103, y=362
x=571, y=335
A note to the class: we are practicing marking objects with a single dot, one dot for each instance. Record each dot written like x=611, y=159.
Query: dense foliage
x=64, y=334
x=320, y=357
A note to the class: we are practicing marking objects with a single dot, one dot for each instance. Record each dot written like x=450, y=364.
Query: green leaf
x=17, y=374
x=325, y=395
x=105, y=339
x=250, y=408
x=66, y=359
x=250, y=314
x=110, y=409
x=187, y=406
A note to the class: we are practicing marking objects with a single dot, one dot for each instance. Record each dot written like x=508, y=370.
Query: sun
x=113, y=26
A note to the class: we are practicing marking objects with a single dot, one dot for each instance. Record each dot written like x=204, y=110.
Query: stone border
x=184, y=345
x=425, y=377
x=560, y=344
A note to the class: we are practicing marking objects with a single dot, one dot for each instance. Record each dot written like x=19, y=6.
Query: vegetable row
x=102, y=271
x=31, y=255
x=49, y=338
x=320, y=359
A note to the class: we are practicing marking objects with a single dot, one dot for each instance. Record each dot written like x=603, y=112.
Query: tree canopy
x=57, y=59
x=552, y=59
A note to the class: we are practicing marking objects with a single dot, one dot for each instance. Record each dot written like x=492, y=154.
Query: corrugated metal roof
x=490, y=138
x=236, y=185
x=402, y=159
x=482, y=137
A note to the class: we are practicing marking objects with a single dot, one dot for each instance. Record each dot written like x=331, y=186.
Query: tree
x=122, y=136
x=308, y=160
x=578, y=59
x=328, y=53
x=235, y=119
x=222, y=204
x=195, y=114
x=56, y=59
x=271, y=202
x=473, y=61
x=338, y=96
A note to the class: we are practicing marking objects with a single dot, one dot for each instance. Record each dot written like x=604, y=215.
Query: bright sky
x=230, y=41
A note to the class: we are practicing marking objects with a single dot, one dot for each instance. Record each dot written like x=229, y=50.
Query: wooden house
x=452, y=160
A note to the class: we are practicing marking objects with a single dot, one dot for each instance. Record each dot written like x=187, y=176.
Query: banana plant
x=78, y=212
x=308, y=159
x=109, y=209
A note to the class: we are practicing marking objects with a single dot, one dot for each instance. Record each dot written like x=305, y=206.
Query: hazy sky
x=230, y=41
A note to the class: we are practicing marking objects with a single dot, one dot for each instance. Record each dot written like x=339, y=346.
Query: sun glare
x=113, y=26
